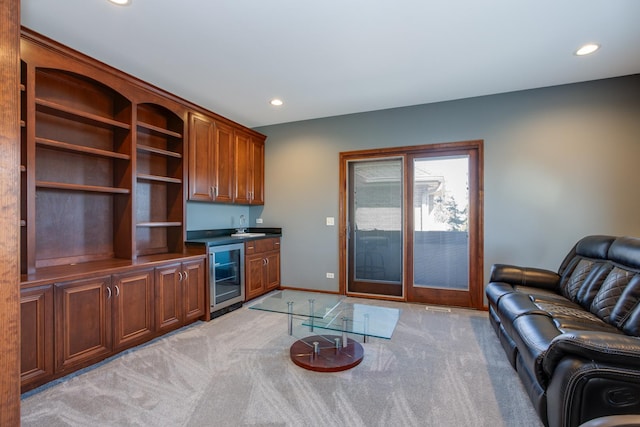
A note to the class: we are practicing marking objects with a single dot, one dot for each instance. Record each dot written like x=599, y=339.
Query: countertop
x=223, y=236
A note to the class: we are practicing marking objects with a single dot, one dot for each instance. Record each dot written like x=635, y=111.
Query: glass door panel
x=376, y=226
x=440, y=222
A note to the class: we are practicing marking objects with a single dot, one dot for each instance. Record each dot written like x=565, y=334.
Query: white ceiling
x=334, y=57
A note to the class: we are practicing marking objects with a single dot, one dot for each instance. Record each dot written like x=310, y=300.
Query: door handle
x=108, y=292
x=117, y=291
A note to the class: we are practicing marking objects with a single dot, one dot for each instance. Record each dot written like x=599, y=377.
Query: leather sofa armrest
x=614, y=421
x=596, y=346
x=525, y=276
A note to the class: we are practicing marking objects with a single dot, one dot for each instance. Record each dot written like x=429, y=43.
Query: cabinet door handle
x=267, y=259
x=185, y=275
x=117, y=291
x=108, y=292
x=180, y=276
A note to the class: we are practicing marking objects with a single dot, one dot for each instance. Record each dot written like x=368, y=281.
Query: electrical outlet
x=258, y=220
x=330, y=220
x=329, y=275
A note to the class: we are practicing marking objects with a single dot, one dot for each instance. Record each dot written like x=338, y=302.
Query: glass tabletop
x=359, y=319
x=308, y=304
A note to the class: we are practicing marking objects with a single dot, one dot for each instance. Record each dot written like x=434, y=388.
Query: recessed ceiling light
x=276, y=102
x=587, y=49
x=121, y=2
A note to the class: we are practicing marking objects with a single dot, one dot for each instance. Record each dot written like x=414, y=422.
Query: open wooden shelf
x=81, y=187
x=159, y=178
x=158, y=151
x=159, y=224
x=65, y=146
x=158, y=130
x=75, y=114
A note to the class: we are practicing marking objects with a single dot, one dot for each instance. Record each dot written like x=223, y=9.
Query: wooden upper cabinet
x=210, y=160
x=249, y=176
x=224, y=165
x=201, y=158
x=257, y=176
x=243, y=168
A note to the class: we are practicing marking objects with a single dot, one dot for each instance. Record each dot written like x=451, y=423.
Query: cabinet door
x=193, y=289
x=254, y=277
x=133, y=307
x=272, y=271
x=257, y=172
x=224, y=166
x=82, y=321
x=242, y=168
x=36, y=333
x=168, y=291
x=201, y=158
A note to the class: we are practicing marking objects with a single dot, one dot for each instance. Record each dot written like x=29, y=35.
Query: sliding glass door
x=376, y=207
x=411, y=223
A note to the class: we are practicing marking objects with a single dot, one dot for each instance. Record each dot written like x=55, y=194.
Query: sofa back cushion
x=622, y=315
x=602, y=274
x=609, y=294
x=578, y=285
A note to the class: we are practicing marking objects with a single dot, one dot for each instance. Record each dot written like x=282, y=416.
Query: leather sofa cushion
x=533, y=335
x=625, y=251
x=621, y=315
x=609, y=293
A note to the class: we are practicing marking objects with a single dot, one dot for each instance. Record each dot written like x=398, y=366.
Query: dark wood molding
x=475, y=148
x=10, y=218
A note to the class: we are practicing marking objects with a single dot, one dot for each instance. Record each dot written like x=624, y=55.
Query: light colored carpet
x=439, y=369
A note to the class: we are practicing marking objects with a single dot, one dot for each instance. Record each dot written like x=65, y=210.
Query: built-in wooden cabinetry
x=104, y=163
x=179, y=294
x=211, y=160
x=36, y=334
x=262, y=266
x=226, y=164
x=249, y=169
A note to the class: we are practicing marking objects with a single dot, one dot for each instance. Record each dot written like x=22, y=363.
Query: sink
x=248, y=234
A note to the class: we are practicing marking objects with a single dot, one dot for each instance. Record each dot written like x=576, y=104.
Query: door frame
x=476, y=221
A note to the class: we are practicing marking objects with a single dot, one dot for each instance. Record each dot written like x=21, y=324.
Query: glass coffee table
x=326, y=352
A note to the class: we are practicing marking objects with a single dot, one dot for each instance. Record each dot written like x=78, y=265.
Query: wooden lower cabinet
x=36, y=333
x=82, y=322
x=262, y=267
x=133, y=308
x=180, y=294
x=69, y=325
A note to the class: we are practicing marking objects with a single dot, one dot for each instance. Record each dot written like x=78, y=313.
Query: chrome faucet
x=243, y=224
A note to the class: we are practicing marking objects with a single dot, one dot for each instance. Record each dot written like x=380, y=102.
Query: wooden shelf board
x=159, y=178
x=160, y=224
x=159, y=130
x=80, y=149
x=81, y=187
x=159, y=151
x=63, y=110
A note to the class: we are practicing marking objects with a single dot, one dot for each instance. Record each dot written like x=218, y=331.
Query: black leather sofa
x=572, y=336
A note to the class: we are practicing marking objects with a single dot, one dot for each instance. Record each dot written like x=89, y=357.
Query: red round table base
x=328, y=359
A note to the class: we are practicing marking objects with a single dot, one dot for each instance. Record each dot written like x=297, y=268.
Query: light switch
x=330, y=220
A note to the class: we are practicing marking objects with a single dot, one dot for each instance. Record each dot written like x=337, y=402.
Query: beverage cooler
x=226, y=278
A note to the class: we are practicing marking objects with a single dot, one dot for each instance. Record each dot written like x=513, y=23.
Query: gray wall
x=560, y=163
